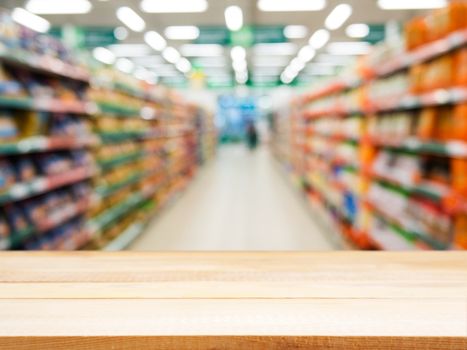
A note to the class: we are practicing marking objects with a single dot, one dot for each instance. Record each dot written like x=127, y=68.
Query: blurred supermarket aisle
x=240, y=202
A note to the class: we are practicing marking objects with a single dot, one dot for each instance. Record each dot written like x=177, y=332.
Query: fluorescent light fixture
x=296, y=65
x=130, y=50
x=125, y=65
x=278, y=49
x=319, y=39
x=233, y=18
x=349, y=48
x=58, y=7
x=171, y=54
x=183, y=65
x=295, y=31
x=174, y=6
x=291, y=5
x=141, y=73
x=411, y=4
x=306, y=54
x=131, y=19
x=238, y=53
x=338, y=16
x=239, y=66
x=202, y=50
x=181, y=32
x=155, y=40
x=357, y=30
x=30, y=20
x=103, y=55
x=241, y=78
x=121, y=33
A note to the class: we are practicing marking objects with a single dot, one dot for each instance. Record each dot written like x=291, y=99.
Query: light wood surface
x=235, y=300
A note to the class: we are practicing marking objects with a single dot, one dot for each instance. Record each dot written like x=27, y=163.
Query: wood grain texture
x=235, y=300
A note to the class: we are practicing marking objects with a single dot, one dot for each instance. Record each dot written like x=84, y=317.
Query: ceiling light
x=121, y=33
x=181, y=32
x=183, y=65
x=174, y=6
x=411, y=4
x=239, y=66
x=338, y=16
x=141, y=73
x=124, y=65
x=30, y=20
x=131, y=19
x=319, y=39
x=277, y=49
x=241, y=78
x=155, y=40
x=201, y=50
x=130, y=50
x=349, y=48
x=238, y=53
x=297, y=64
x=357, y=30
x=103, y=55
x=233, y=18
x=171, y=54
x=306, y=54
x=295, y=32
x=58, y=7
x=290, y=5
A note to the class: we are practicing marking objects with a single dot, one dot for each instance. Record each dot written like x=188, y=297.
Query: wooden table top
x=236, y=300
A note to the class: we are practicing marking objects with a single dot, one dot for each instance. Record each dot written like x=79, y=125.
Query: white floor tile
x=238, y=202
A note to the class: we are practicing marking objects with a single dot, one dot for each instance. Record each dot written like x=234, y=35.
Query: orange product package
x=460, y=122
x=445, y=124
x=460, y=231
x=439, y=73
x=459, y=176
x=416, y=33
x=447, y=20
x=426, y=124
x=461, y=67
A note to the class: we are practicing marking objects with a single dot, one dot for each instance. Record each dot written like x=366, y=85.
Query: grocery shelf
x=401, y=61
x=105, y=191
x=44, y=184
x=118, y=109
x=397, y=223
x=114, y=213
x=126, y=237
x=16, y=238
x=65, y=214
x=437, y=97
x=47, y=105
x=119, y=136
x=120, y=160
x=43, y=64
x=37, y=144
x=422, y=54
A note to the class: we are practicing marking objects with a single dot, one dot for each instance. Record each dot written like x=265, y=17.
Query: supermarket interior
x=155, y=125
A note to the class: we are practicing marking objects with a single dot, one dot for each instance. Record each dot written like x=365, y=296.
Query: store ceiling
x=103, y=14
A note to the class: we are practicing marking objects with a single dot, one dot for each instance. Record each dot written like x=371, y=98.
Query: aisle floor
x=240, y=201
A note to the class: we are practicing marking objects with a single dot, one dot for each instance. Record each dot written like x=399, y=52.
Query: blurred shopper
x=251, y=135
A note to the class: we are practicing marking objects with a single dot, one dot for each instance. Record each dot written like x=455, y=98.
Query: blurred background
x=233, y=125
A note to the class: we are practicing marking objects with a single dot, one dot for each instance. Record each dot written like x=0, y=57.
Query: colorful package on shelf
x=7, y=175
x=16, y=218
x=25, y=170
x=8, y=128
x=404, y=168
